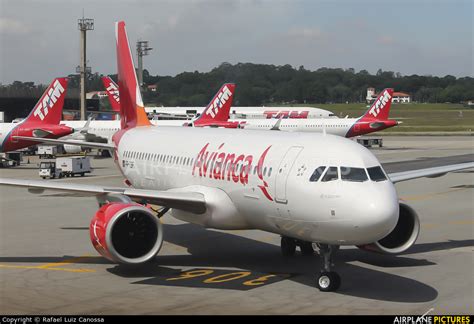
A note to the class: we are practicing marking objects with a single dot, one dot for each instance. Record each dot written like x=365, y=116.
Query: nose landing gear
x=328, y=280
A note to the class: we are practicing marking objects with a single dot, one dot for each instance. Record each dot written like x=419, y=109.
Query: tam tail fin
x=218, y=109
x=49, y=109
x=112, y=93
x=380, y=109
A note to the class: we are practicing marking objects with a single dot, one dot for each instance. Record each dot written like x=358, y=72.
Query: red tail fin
x=132, y=111
x=380, y=109
x=49, y=108
x=219, y=107
x=112, y=93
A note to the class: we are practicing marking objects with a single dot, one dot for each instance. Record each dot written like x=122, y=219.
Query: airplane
x=375, y=119
x=247, y=112
x=216, y=114
x=308, y=188
x=43, y=120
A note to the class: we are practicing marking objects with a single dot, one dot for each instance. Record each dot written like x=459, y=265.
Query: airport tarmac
x=48, y=265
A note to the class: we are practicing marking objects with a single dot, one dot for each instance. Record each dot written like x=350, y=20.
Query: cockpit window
x=376, y=174
x=331, y=174
x=317, y=174
x=353, y=174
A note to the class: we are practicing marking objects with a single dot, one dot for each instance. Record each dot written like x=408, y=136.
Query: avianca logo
x=113, y=91
x=224, y=166
x=49, y=100
x=219, y=101
x=380, y=104
x=286, y=114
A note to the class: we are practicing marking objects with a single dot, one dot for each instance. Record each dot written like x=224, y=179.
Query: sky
x=39, y=39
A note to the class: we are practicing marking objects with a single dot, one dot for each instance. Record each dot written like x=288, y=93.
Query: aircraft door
x=283, y=172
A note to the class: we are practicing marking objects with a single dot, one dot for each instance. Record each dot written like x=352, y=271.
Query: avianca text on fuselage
x=380, y=104
x=219, y=101
x=49, y=99
x=224, y=166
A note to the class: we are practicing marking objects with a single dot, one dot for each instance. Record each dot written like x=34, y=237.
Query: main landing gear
x=288, y=246
x=327, y=280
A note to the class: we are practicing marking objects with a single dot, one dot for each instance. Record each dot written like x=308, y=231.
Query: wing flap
x=67, y=142
x=193, y=202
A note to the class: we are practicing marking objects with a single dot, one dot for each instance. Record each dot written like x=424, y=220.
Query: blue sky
x=39, y=38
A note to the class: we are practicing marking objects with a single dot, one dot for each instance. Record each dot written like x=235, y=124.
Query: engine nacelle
x=402, y=237
x=126, y=233
x=72, y=149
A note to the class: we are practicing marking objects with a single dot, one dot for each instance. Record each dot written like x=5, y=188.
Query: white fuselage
x=261, y=180
x=334, y=126
x=5, y=129
x=249, y=112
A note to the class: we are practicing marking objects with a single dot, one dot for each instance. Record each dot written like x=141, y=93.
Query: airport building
x=398, y=97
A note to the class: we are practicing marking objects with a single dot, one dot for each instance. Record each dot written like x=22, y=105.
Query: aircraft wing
x=67, y=142
x=188, y=201
x=428, y=172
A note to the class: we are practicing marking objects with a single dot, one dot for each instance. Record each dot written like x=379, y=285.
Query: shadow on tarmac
x=215, y=249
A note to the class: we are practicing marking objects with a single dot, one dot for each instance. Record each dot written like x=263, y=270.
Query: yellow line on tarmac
x=54, y=265
x=40, y=268
x=65, y=262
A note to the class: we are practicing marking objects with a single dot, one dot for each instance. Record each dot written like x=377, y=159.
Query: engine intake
x=126, y=233
x=402, y=237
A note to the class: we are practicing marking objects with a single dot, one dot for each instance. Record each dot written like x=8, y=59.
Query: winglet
x=132, y=111
x=277, y=124
x=49, y=108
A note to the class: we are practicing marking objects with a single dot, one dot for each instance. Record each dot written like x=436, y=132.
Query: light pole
x=142, y=50
x=84, y=24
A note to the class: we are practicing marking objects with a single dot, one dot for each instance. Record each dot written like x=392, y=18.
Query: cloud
x=12, y=26
x=386, y=40
x=307, y=33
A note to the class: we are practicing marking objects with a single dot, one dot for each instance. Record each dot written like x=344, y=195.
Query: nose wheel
x=328, y=280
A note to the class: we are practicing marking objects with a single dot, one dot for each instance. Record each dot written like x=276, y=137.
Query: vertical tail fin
x=132, y=111
x=112, y=93
x=219, y=108
x=49, y=108
x=380, y=109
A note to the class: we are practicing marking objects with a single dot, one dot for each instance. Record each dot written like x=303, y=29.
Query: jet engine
x=72, y=149
x=402, y=237
x=126, y=233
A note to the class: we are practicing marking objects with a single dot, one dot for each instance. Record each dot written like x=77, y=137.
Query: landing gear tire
x=329, y=281
x=288, y=246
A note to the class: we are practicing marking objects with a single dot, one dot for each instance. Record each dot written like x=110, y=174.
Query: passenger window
x=270, y=172
x=353, y=174
x=331, y=175
x=376, y=174
x=317, y=174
